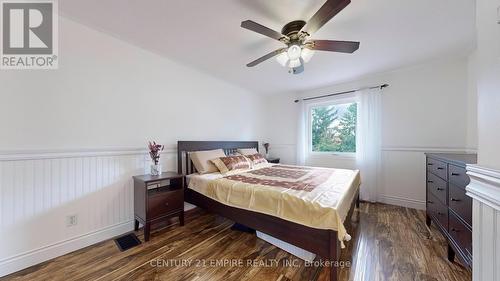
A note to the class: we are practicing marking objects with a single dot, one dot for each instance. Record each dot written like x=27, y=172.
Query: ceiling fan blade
x=266, y=57
x=259, y=28
x=324, y=14
x=334, y=46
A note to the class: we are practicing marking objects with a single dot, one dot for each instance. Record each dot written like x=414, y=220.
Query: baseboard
x=401, y=201
x=33, y=257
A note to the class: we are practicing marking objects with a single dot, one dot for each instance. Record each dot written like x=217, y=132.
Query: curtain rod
x=346, y=92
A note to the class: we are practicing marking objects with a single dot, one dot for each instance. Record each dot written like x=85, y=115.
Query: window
x=333, y=127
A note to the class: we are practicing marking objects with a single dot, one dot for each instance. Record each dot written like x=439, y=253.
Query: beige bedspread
x=315, y=197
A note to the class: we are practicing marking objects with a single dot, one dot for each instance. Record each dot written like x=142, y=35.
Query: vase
x=155, y=169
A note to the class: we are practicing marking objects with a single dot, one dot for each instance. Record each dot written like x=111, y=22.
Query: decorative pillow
x=231, y=163
x=247, y=151
x=257, y=158
x=201, y=160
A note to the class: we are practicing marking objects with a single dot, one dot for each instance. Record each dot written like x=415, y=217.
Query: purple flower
x=154, y=151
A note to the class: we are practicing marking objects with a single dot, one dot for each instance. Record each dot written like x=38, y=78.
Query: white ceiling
x=207, y=35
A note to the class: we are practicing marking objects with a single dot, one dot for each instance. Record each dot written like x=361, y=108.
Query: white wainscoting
x=484, y=188
x=38, y=190
x=403, y=179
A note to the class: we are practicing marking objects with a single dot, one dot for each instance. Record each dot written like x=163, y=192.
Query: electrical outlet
x=71, y=220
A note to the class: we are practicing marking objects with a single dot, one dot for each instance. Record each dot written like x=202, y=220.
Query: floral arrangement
x=154, y=151
x=266, y=147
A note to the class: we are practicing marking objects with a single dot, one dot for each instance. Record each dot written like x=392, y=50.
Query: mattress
x=314, y=197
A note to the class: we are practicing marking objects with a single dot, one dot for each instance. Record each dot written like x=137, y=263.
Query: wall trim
x=76, y=153
x=16, y=155
x=402, y=201
x=430, y=149
x=484, y=185
x=36, y=256
x=408, y=148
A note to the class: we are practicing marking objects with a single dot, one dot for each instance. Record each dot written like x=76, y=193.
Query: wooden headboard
x=184, y=164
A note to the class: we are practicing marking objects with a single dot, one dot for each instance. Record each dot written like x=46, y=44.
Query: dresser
x=447, y=205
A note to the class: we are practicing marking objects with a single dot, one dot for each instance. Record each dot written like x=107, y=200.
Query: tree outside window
x=333, y=128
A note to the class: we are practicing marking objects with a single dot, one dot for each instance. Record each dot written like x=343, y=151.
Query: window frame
x=345, y=99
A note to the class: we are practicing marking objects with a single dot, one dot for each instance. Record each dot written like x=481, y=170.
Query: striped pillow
x=257, y=158
x=231, y=163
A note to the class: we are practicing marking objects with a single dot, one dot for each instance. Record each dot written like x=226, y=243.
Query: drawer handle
x=430, y=202
x=455, y=230
x=430, y=181
x=455, y=200
x=440, y=189
x=440, y=168
x=430, y=164
x=166, y=204
x=455, y=174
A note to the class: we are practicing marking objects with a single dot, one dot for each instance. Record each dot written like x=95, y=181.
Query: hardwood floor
x=389, y=243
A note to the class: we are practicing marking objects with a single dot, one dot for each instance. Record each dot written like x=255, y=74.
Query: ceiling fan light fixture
x=294, y=52
x=294, y=63
x=282, y=59
x=307, y=54
x=299, y=50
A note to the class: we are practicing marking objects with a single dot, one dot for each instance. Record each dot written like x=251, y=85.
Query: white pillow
x=247, y=151
x=201, y=160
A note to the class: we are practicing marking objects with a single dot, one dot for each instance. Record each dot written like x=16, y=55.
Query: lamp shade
x=306, y=54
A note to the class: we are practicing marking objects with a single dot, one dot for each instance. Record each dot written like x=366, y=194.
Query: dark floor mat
x=243, y=228
x=127, y=241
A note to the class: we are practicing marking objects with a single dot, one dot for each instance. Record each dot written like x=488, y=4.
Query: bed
x=323, y=237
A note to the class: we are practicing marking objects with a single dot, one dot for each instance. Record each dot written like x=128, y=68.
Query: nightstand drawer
x=165, y=203
x=437, y=187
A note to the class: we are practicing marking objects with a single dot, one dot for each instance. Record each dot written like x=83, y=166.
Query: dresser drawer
x=461, y=235
x=460, y=203
x=438, y=168
x=165, y=203
x=437, y=210
x=458, y=176
x=437, y=187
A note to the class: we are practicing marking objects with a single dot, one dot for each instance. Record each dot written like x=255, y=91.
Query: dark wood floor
x=389, y=243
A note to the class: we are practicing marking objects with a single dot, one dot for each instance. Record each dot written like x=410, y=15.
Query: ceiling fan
x=295, y=34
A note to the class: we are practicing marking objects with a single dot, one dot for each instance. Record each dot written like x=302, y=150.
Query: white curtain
x=301, y=133
x=368, y=143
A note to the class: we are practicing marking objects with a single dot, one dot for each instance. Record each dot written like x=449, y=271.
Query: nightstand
x=158, y=198
x=274, y=160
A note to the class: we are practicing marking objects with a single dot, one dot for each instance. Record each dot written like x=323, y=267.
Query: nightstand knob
x=166, y=204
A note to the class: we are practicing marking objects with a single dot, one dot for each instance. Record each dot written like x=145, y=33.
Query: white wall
x=426, y=108
x=472, y=113
x=109, y=93
x=105, y=95
x=488, y=82
x=485, y=177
